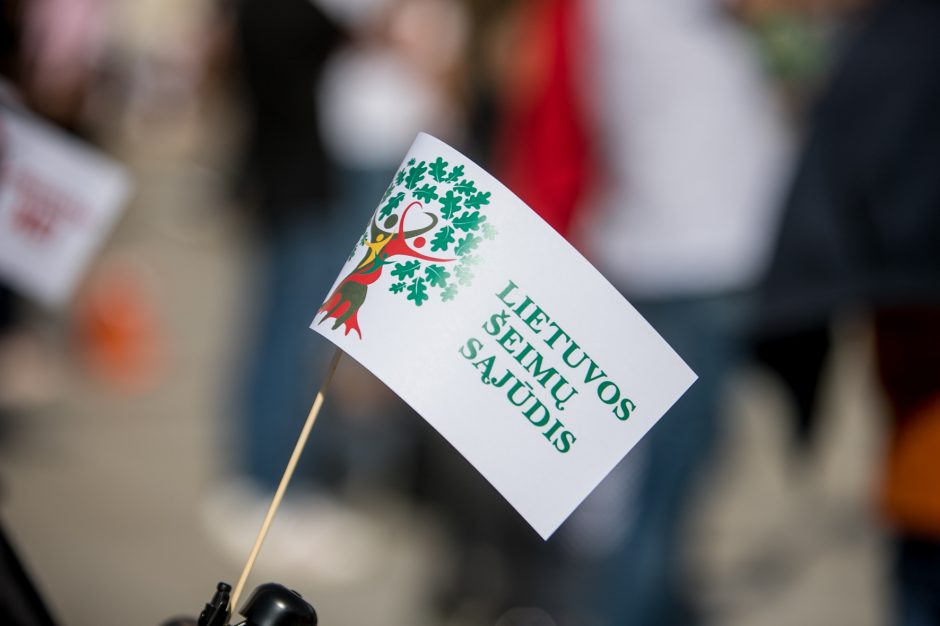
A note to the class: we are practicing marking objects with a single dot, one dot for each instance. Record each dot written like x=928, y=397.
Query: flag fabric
x=58, y=200
x=499, y=334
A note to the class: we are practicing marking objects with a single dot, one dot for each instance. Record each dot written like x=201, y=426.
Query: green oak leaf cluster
x=458, y=238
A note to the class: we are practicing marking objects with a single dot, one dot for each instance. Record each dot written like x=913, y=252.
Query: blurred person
x=335, y=94
x=538, y=145
x=656, y=116
x=692, y=151
x=798, y=39
x=285, y=179
x=861, y=232
x=543, y=150
x=22, y=383
x=398, y=74
x=63, y=45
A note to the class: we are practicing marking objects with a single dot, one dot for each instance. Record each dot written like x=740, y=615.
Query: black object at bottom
x=270, y=604
x=216, y=612
x=20, y=603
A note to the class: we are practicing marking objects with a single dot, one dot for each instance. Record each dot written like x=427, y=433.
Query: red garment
x=543, y=152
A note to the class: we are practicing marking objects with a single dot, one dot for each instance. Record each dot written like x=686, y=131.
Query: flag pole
x=285, y=478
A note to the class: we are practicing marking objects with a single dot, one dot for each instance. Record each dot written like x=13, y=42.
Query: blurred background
x=758, y=177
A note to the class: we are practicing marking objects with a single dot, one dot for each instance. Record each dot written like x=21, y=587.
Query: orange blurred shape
x=119, y=335
x=911, y=489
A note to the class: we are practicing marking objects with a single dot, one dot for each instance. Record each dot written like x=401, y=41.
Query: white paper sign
x=58, y=200
x=500, y=334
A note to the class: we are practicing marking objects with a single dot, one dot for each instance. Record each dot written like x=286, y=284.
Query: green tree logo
x=428, y=228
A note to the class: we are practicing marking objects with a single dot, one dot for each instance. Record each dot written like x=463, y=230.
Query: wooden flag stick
x=285, y=479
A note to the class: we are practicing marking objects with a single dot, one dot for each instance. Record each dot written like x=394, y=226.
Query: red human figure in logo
x=382, y=247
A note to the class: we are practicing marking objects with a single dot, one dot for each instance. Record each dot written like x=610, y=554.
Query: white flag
x=58, y=200
x=500, y=334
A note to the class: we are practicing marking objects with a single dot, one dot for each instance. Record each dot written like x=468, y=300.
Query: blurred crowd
x=750, y=174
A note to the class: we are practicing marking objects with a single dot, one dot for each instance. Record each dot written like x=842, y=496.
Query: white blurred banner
x=58, y=200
